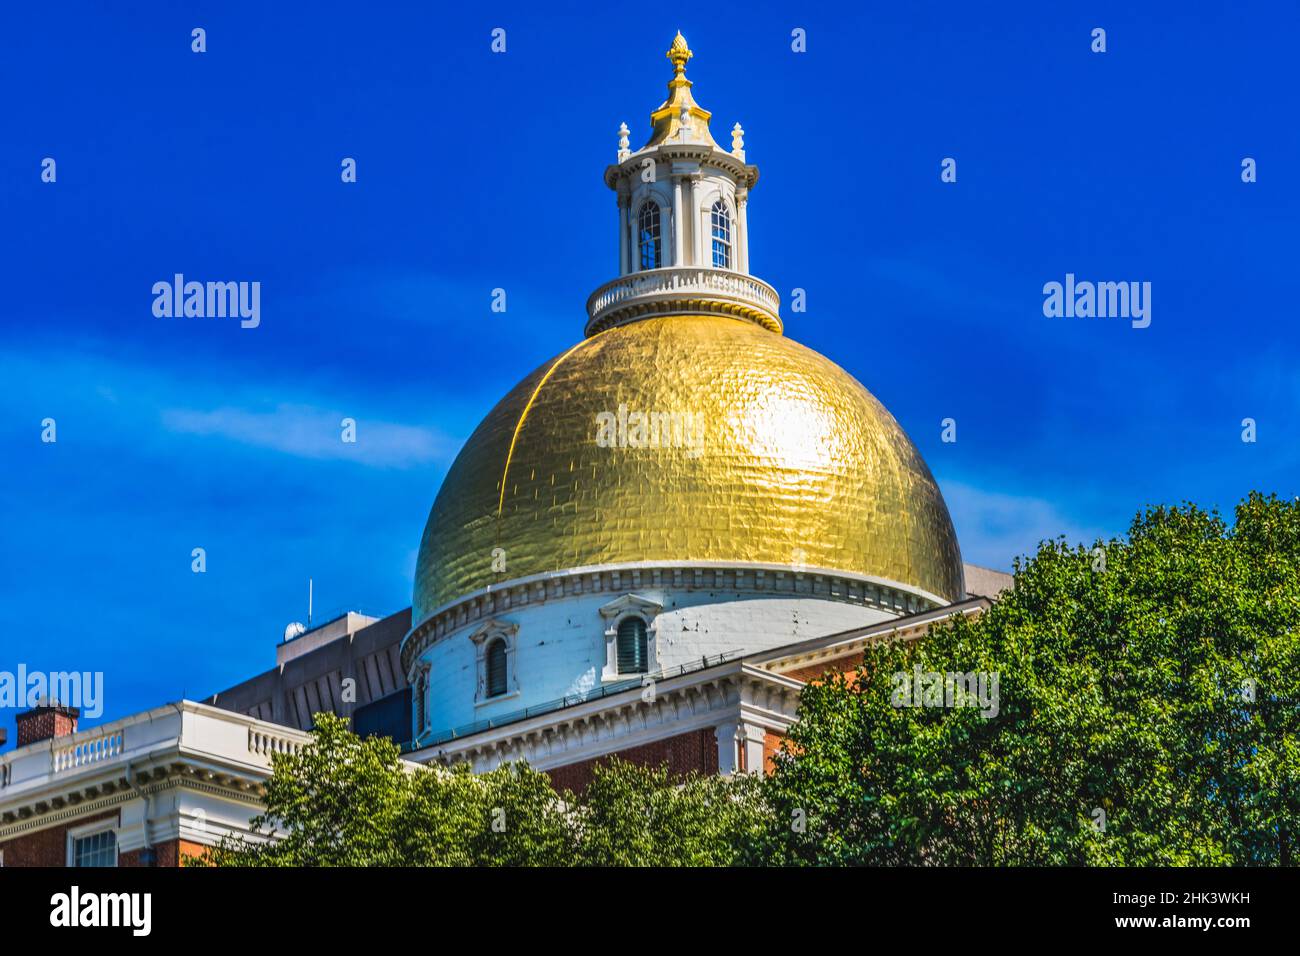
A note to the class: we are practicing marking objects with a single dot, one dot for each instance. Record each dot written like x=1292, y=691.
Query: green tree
x=1147, y=714
x=346, y=801
x=641, y=816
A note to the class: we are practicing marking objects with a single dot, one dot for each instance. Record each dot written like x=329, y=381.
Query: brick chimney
x=45, y=721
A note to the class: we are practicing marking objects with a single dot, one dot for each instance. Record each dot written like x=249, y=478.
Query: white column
x=727, y=750
x=693, y=214
x=742, y=231
x=679, y=239
x=752, y=741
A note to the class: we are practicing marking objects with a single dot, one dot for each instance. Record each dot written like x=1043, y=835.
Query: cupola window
x=496, y=668
x=633, y=654
x=649, y=243
x=721, y=236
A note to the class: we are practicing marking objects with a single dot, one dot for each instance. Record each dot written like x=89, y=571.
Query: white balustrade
x=664, y=291
x=83, y=752
x=264, y=744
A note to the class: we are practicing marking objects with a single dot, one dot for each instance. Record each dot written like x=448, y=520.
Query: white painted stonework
x=561, y=630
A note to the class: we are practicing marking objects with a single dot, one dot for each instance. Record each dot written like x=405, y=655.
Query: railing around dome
x=677, y=290
x=478, y=726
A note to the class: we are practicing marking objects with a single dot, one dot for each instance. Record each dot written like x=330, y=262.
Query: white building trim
x=731, y=693
x=184, y=770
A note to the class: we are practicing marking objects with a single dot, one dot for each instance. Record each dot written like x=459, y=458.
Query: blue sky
x=478, y=170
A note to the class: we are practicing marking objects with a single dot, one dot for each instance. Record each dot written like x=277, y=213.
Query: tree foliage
x=1147, y=716
x=641, y=816
x=347, y=801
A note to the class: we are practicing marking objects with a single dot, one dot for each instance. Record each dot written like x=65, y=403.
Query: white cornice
x=745, y=174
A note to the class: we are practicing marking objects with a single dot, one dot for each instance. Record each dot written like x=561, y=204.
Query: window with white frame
x=630, y=642
x=633, y=650
x=91, y=846
x=721, y=222
x=495, y=644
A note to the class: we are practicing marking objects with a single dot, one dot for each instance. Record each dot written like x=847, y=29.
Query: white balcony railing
x=79, y=754
x=264, y=744
x=683, y=290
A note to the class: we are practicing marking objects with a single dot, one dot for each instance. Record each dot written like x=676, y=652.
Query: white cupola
x=683, y=235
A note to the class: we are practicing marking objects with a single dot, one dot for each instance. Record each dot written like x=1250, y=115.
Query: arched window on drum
x=649, y=237
x=721, y=222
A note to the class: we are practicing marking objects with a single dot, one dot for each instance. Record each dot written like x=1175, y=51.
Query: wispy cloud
x=120, y=401
x=309, y=432
x=995, y=527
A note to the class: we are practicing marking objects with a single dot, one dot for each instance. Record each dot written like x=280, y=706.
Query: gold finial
x=680, y=119
x=679, y=53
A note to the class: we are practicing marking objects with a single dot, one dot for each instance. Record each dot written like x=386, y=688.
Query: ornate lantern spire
x=680, y=119
x=682, y=220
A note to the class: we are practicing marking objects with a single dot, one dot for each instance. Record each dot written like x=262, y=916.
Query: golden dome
x=782, y=458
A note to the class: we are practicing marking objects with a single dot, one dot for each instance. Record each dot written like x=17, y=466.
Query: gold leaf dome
x=799, y=466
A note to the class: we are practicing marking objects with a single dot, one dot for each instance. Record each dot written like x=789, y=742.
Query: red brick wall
x=816, y=672
x=48, y=847
x=43, y=724
x=771, y=747
x=170, y=853
x=696, y=750
x=186, y=850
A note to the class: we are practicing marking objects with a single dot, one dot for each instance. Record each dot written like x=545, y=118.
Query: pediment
x=633, y=603
x=493, y=627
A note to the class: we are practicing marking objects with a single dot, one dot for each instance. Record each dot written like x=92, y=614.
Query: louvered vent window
x=633, y=655
x=496, y=668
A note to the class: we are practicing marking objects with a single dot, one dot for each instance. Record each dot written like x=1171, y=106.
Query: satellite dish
x=293, y=630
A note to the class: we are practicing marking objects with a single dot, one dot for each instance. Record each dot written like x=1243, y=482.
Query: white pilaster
x=742, y=231
x=624, y=232
x=728, y=752
x=693, y=214
x=679, y=238
x=752, y=740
